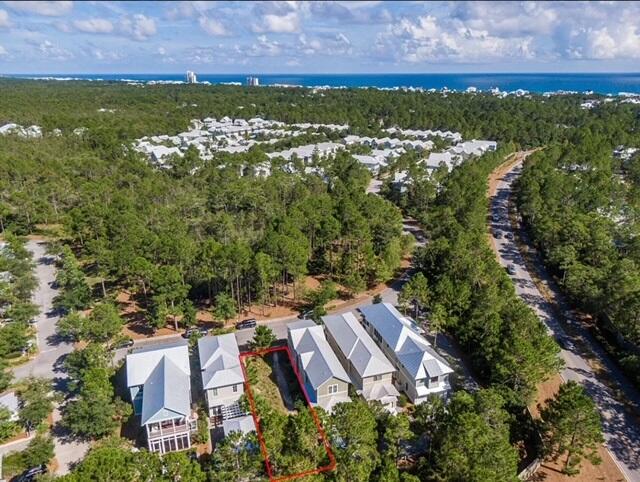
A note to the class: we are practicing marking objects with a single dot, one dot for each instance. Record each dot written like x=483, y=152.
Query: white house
x=159, y=383
x=370, y=371
x=159, y=154
x=325, y=381
x=222, y=377
x=421, y=372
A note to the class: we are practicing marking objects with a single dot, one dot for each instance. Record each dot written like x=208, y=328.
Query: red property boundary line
x=254, y=413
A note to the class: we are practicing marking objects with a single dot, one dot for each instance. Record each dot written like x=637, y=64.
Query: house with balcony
x=159, y=383
x=420, y=371
x=324, y=379
x=369, y=369
x=222, y=377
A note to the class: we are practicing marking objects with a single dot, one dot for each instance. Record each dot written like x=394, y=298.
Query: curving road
x=608, y=384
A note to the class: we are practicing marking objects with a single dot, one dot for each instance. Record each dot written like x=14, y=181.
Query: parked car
x=305, y=315
x=126, y=343
x=30, y=474
x=33, y=321
x=248, y=323
x=195, y=330
x=498, y=234
x=511, y=269
x=509, y=235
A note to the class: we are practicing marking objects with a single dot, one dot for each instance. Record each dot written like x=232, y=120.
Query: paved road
x=51, y=352
x=621, y=429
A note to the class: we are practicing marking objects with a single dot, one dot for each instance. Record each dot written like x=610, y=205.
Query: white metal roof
x=356, y=345
x=318, y=360
x=413, y=351
x=219, y=361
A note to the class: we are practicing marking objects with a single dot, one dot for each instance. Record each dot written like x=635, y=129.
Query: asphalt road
x=51, y=353
x=621, y=428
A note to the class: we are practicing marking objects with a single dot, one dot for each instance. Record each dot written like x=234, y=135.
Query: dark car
x=195, y=330
x=498, y=234
x=31, y=474
x=305, y=315
x=248, y=323
x=126, y=343
x=509, y=235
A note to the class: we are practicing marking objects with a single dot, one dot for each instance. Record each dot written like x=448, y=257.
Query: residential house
x=244, y=425
x=325, y=381
x=421, y=371
x=222, y=377
x=370, y=371
x=159, y=383
x=9, y=400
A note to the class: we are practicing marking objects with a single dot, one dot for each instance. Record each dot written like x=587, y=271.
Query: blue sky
x=318, y=37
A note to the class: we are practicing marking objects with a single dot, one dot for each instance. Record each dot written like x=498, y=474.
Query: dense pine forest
x=180, y=239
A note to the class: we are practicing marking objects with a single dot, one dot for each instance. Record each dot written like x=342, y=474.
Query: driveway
x=620, y=427
x=51, y=352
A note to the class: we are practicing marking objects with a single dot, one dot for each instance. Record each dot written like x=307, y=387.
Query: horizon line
x=329, y=73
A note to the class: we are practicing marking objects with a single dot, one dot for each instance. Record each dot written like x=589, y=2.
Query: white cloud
x=48, y=9
x=3, y=51
x=621, y=41
x=273, y=23
x=139, y=27
x=53, y=52
x=212, y=26
x=263, y=47
x=106, y=55
x=162, y=51
x=4, y=19
x=94, y=25
x=328, y=44
x=429, y=39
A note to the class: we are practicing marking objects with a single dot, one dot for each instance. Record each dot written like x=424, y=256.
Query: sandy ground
x=549, y=471
x=136, y=327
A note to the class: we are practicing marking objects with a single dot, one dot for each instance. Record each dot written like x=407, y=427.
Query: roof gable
x=219, y=361
x=318, y=360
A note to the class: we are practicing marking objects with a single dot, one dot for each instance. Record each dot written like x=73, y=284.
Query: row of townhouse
x=306, y=153
x=388, y=143
x=159, y=382
x=384, y=355
x=380, y=357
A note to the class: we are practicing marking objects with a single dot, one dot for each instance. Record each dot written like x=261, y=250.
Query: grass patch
x=263, y=382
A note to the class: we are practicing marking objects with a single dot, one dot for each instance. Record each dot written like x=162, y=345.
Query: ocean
x=611, y=83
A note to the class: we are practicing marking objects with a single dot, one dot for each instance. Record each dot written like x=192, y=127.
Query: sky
x=318, y=37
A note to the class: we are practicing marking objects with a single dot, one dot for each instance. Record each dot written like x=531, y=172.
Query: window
x=214, y=392
x=332, y=389
x=183, y=442
x=433, y=379
x=156, y=446
x=235, y=388
x=377, y=378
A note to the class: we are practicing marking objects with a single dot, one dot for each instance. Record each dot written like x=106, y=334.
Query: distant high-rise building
x=253, y=81
x=191, y=77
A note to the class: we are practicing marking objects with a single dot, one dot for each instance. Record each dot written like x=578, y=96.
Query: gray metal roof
x=318, y=360
x=166, y=393
x=243, y=424
x=9, y=400
x=142, y=361
x=219, y=361
x=356, y=345
x=412, y=350
x=165, y=375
